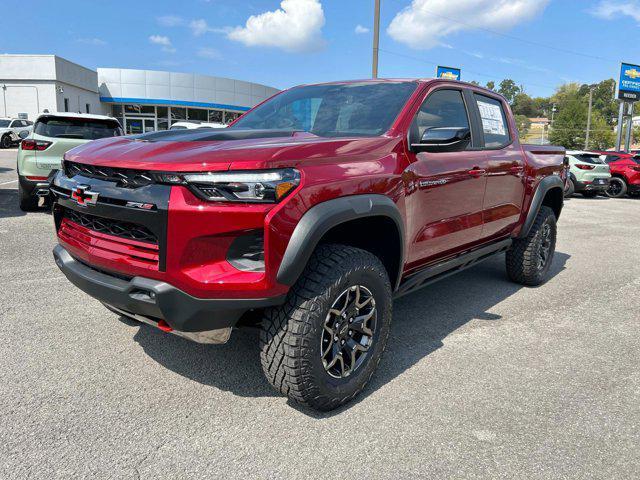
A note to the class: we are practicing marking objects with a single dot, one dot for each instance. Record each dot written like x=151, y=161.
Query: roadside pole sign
x=629, y=84
x=450, y=73
x=628, y=92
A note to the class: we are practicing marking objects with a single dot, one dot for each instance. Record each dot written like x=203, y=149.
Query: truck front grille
x=122, y=176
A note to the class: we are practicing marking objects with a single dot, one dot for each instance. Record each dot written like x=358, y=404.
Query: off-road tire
x=590, y=194
x=290, y=338
x=28, y=203
x=5, y=142
x=623, y=188
x=570, y=188
x=523, y=261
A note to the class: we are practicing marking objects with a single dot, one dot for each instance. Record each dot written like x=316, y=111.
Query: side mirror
x=24, y=134
x=443, y=139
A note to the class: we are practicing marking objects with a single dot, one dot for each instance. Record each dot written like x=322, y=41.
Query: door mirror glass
x=443, y=139
x=23, y=134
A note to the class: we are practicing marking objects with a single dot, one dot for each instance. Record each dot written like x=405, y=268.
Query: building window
x=178, y=114
x=163, y=118
x=197, y=114
x=230, y=116
x=66, y=104
x=215, y=116
x=144, y=110
x=87, y=107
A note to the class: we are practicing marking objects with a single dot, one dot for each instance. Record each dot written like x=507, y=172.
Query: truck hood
x=195, y=150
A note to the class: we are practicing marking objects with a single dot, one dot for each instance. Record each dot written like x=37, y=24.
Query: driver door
x=445, y=189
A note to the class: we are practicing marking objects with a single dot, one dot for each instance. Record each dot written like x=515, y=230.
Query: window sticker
x=492, y=121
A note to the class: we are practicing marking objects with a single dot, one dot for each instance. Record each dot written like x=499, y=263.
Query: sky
x=540, y=44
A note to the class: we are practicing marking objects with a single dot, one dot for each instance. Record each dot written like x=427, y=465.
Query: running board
x=433, y=273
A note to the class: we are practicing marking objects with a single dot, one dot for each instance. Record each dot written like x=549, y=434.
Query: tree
x=474, y=82
x=523, y=124
x=570, y=124
x=601, y=136
x=523, y=105
x=491, y=85
x=508, y=89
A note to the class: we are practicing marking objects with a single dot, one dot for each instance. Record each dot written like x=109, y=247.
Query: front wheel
x=617, y=188
x=529, y=258
x=322, y=346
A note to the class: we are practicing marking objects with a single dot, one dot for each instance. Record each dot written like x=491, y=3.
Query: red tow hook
x=164, y=326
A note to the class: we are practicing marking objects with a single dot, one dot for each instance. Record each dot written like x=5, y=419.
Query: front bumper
x=159, y=303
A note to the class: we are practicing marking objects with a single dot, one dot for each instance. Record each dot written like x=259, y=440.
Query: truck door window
x=443, y=108
x=494, y=122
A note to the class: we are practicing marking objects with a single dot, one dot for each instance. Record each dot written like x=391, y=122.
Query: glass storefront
x=147, y=118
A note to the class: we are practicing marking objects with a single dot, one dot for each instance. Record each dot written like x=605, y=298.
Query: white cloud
x=295, y=27
x=171, y=21
x=199, y=27
x=98, y=42
x=424, y=23
x=360, y=29
x=209, y=53
x=164, y=42
x=610, y=9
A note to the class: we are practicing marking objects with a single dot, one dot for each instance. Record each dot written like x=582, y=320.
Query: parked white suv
x=10, y=129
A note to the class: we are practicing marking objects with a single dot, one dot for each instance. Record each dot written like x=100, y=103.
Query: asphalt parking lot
x=481, y=379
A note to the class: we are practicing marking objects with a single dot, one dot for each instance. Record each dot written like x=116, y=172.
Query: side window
x=494, y=122
x=611, y=158
x=443, y=108
x=15, y=123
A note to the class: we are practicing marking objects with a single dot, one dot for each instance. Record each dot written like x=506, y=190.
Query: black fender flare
x=545, y=185
x=321, y=218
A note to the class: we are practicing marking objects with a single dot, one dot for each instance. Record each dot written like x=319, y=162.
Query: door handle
x=477, y=172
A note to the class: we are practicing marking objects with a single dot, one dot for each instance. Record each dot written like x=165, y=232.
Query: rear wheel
x=617, y=188
x=28, y=202
x=569, y=188
x=5, y=142
x=322, y=346
x=529, y=259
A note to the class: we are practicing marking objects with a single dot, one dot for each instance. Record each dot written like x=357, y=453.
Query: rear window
x=595, y=159
x=4, y=123
x=79, y=128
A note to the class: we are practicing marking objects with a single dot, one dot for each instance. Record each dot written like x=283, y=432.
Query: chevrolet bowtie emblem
x=83, y=196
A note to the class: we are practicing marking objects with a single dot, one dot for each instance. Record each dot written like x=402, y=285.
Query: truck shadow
x=421, y=322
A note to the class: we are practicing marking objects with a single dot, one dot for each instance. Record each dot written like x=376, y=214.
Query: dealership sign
x=448, y=73
x=629, y=85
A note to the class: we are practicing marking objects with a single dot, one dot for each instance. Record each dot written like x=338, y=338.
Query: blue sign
x=448, y=73
x=629, y=85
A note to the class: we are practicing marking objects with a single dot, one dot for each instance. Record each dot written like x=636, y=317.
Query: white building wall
x=31, y=98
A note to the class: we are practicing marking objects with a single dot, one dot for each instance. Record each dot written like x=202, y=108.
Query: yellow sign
x=633, y=73
x=453, y=76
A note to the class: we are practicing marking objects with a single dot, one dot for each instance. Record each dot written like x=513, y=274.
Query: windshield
x=4, y=123
x=79, y=128
x=354, y=109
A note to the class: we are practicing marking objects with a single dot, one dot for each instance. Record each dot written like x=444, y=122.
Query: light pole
x=376, y=39
x=586, y=140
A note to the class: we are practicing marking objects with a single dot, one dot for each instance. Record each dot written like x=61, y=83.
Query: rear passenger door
x=504, y=167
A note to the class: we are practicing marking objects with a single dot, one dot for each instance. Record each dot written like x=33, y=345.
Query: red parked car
x=307, y=217
x=625, y=173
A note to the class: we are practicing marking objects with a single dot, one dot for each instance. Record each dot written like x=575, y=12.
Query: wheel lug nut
x=351, y=320
x=350, y=332
x=335, y=338
x=342, y=342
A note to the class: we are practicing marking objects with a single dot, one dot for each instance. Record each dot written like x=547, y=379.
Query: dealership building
x=142, y=100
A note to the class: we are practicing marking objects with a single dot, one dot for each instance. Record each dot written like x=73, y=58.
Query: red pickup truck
x=306, y=218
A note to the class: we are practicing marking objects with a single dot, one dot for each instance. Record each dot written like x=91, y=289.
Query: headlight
x=264, y=186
